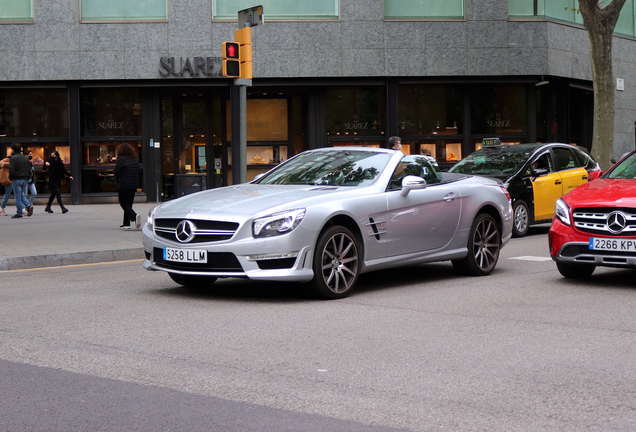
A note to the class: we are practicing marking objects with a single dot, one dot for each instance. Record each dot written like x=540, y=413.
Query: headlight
x=562, y=211
x=151, y=216
x=278, y=223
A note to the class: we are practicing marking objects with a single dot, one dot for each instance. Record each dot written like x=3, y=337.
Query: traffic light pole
x=247, y=18
x=238, y=108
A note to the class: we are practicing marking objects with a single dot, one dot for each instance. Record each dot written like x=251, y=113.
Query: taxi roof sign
x=488, y=142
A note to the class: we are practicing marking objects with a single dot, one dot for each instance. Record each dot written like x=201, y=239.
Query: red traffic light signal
x=231, y=50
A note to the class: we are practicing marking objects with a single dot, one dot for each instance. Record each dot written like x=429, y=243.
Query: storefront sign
x=498, y=122
x=357, y=125
x=184, y=66
x=110, y=124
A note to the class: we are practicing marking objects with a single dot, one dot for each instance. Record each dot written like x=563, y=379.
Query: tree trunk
x=600, y=23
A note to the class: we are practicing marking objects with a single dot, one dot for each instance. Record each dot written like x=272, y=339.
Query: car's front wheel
x=336, y=263
x=198, y=282
x=521, y=217
x=576, y=271
x=484, y=244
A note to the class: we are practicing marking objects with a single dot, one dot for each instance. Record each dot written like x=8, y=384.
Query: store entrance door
x=187, y=144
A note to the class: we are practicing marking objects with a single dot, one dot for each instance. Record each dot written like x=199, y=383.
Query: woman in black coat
x=126, y=172
x=57, y=171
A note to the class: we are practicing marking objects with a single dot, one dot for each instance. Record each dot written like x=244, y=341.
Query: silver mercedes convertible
x=326, y=216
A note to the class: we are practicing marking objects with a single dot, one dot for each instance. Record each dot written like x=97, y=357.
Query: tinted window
x=565, y=159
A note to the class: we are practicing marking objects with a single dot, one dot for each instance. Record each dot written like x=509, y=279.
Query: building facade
x=83, y=76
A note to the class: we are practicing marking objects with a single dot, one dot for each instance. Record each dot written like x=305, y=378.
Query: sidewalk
x=88, y=233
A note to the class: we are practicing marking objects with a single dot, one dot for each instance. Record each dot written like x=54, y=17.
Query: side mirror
x=258, y=176
x=412, y=182
x=538, y=172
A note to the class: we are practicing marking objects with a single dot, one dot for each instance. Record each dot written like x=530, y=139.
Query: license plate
x=185, y=255
x=612, y=245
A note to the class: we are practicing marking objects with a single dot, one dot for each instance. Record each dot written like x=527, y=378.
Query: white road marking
x=531, y=258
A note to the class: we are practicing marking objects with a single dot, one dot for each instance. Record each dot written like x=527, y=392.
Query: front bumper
x=235, y=258
x=570, y=246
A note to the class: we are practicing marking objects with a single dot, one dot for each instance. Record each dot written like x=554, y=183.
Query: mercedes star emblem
x=616, y=222
x=185, y=231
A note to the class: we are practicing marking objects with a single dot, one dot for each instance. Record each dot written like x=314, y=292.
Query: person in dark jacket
x=19, y=173
x=127, y=172
x=57, y=171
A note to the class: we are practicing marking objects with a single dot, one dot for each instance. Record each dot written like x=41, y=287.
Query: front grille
x=217, y=261
x=205, y=231
x=595, y=220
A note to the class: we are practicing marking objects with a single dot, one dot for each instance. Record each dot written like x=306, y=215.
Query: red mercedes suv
x=595, y=224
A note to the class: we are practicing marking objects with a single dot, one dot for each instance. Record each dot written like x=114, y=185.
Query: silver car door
x=424, y=219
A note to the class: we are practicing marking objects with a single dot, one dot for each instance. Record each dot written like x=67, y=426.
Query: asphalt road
x=113, y=347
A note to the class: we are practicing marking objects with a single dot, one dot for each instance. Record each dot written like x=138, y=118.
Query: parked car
x=536, y=175
x=595, y=224
x=325, y=216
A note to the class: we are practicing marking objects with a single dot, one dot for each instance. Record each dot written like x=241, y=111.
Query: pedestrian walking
x=57, y=171
x=31, y=186
x=127, y=172
x=19, y=173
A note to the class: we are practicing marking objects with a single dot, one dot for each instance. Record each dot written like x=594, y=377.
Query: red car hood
x=604, y=193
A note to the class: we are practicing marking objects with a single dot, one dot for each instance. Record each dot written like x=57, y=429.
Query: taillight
x=503, y=188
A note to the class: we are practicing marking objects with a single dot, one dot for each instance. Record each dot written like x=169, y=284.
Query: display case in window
x=442, y=151
x=262, y=155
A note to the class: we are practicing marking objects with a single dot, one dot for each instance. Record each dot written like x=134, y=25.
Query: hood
x=250, y=199
x=604, y=193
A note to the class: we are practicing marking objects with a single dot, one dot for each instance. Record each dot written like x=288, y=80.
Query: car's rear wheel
x=484, y=244
x=576, y=271
x=521, y=218
x=336, y=263
x=190, y=281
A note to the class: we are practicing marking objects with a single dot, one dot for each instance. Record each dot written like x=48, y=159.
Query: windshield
x=334, y=168
x=625, y=169
x=501, y=160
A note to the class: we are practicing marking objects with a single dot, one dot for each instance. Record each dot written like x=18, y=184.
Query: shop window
x=267, y=135
x=98, y=163
x=424, y=9
x=498, y=109
x=16, y=10
x=26, y=113
x=123, y=10
x=356, y=111
x=442, y=151
x=280, y=10
x=430, y=110
x=110, y=112
x=41, y=153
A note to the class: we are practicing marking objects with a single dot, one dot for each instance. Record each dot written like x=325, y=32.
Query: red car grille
x=620, y=222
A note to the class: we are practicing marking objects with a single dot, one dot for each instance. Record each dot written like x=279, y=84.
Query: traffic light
x=232, y=63
x=244, y=38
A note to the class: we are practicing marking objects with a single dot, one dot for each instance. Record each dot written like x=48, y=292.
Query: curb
x=75, y=258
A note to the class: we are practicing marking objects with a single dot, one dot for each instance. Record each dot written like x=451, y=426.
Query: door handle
x=449, y=197
x=557, y=182
x=584, y=177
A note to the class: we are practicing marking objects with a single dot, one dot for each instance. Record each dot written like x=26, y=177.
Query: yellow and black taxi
x=536, y=175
